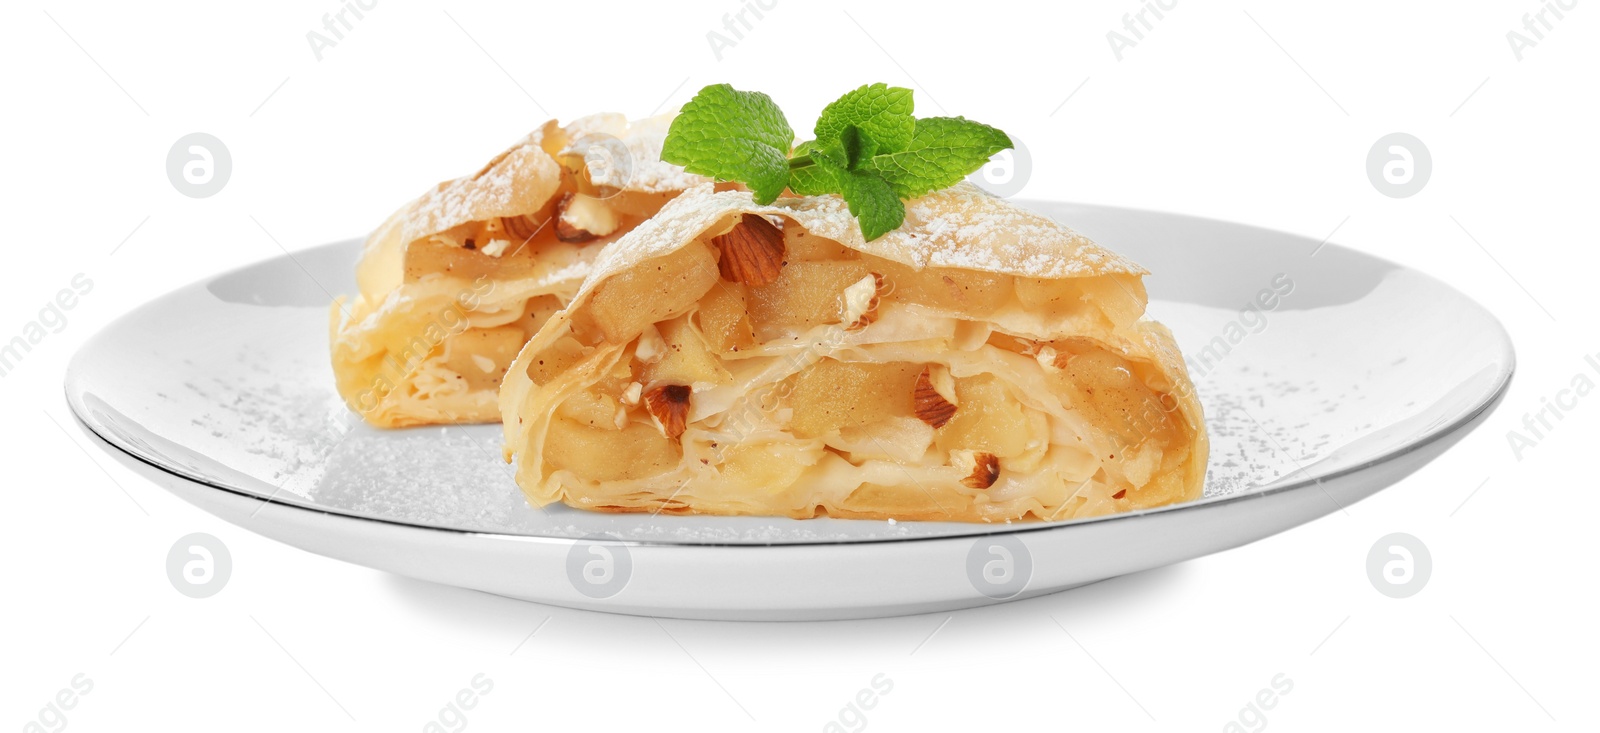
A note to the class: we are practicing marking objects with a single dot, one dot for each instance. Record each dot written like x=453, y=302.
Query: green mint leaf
x=942, y=151
x=873, y=202
x=812, y=180
x=831, y=152
x=857, y=146
x=881, y=111
x=806, y=177
x=733, y=136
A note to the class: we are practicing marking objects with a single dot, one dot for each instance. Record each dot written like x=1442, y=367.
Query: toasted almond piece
x=522, y=228
x=930, y=406
x=861, y=302
x=669, y=404
x=582, y=218
x=943, y=382
x=633, y=394
x=752, y=251
x=985, y=468
x=652, y=347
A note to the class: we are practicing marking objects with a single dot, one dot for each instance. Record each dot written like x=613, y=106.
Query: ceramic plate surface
x=1358, y=373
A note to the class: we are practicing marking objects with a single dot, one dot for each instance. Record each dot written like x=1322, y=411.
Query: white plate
x=1363, y=372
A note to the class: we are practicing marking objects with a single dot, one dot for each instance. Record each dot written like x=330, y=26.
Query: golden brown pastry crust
x=961, y=228
x=397, y=347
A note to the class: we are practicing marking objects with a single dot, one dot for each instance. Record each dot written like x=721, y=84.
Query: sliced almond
x=581, y=218
x=861, y=302
x=521, y=227
x=669, y=404
x=931, y=407
x=983, y=468
x=752, y=251
x=943, y=382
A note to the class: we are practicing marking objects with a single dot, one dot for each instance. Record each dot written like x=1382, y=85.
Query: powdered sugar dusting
x=643, y=170
x=516, y=182
x=523, y=178
x=962, y=226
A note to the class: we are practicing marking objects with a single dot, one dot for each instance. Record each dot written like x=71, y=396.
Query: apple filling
x=461, y=272
x=764, y=369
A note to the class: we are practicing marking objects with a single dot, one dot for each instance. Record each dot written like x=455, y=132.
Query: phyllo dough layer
x=980, y=363
x=454, y=283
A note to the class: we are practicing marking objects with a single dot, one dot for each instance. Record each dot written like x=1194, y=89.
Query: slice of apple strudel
x=980, y=363
x=454, y=283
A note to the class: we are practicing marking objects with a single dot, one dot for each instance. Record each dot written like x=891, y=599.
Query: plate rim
x=1484, y=402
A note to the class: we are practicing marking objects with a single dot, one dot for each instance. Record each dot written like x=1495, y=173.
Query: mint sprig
x=868, y=148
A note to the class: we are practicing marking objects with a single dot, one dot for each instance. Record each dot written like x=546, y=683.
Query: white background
x=1257, y=112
